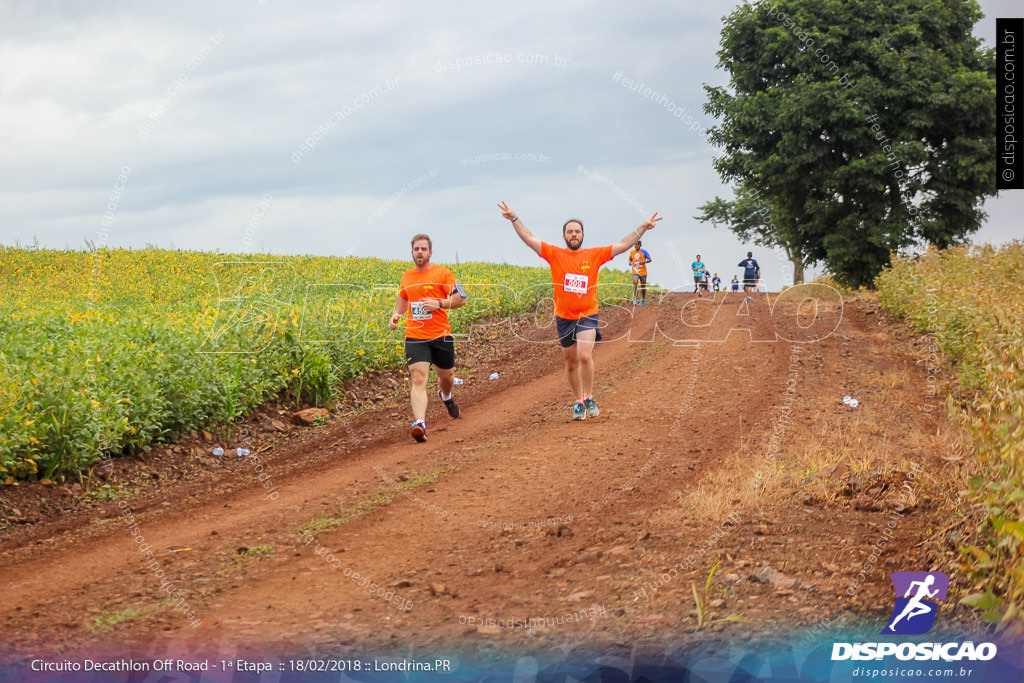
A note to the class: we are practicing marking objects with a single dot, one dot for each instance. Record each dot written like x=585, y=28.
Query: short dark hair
x=750, y=254
x=639, y=243
x=572, y=220
x=421, y=236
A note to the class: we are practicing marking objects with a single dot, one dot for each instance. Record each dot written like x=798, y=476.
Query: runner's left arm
x=623, y=245
x=456, y=299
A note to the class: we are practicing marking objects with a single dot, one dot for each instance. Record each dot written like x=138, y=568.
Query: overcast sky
x=345, y=128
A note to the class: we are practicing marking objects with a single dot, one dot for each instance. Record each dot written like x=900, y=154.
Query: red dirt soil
x=525, y=514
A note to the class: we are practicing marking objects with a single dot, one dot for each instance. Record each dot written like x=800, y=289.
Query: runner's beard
x=419, y=259
x=573, y=243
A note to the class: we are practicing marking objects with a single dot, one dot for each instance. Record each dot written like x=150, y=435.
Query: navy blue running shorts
x=567, y=329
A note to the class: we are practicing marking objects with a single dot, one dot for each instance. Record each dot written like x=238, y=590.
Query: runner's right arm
x=524, y=234
x=401, y=306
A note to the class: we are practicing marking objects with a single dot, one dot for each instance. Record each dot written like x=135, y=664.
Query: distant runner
x=717, y=282
x=427, y=293
x=751, y=273
x=574, y=276
x=698, y=272
x=735, y=284
x=638, y=260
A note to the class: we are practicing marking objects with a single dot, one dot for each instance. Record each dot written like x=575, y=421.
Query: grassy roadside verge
x=970, y=301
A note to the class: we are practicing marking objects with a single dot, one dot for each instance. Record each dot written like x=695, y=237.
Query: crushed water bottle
x=457, y=380
x=242, y=452
x=218, y=451
x=494, y=375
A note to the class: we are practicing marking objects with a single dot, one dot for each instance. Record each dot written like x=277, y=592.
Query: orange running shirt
x=638, y=262
x=437, y=282
x=574, y=276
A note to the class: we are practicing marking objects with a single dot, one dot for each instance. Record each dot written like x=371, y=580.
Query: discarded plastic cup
x=494, y=375
x=847, y=399
x=457, y=380
x=218, y=451
x=242, y=452
x=853, y=403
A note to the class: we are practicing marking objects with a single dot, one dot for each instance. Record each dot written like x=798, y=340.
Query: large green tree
x=864, y=126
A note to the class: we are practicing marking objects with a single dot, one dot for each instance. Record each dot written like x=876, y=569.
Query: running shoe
x=419, y=431
x=453, y=408
x=579, y=412
x=636, y=302
x=591, y=405
x=643, y=302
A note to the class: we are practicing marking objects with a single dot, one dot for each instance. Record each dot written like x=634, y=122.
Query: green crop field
x=972, y=300
x=110, y=351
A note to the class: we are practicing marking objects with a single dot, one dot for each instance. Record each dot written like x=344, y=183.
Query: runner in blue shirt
x=717, y=282
x=698, y=271
x=751, y=273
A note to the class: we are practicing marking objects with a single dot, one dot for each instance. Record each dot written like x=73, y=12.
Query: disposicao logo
x=914, y=612
x=917, y=598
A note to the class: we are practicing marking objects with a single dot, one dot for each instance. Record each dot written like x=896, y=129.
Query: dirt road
x=514, y=526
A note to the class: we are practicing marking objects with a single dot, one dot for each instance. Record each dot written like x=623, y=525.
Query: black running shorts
x=440, y=352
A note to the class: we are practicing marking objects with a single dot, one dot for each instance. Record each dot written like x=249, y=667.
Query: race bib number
x=420, y=313
x=575, y=284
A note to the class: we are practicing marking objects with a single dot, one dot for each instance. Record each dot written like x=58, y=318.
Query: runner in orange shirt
x=427, y=293
x=638, y=260
x=574, y=276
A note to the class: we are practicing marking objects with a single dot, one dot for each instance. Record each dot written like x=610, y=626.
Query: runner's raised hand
x=506, y=211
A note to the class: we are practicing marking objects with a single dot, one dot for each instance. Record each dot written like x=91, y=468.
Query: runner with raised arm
x=574, y=277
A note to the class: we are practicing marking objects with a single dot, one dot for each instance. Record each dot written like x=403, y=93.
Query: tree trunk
x=798, y=265
x=798, y=269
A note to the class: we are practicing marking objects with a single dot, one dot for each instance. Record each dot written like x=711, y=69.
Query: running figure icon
x=916, y=606
x=918, y=595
